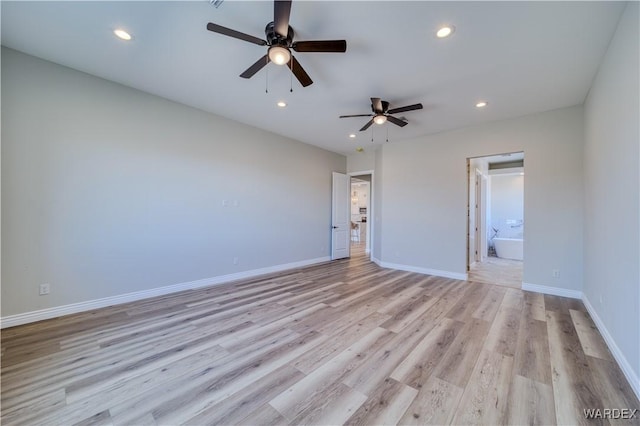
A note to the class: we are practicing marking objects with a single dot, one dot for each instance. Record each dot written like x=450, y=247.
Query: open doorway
x=360, y=208
x=495, y=236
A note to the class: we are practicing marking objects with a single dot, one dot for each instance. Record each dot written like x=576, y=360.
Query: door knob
x=334, y=227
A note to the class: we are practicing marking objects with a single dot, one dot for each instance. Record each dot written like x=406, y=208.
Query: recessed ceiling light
x=445, y=31
x=481, y=104
x=352, y=135
x=282, y=104
x=122, y=34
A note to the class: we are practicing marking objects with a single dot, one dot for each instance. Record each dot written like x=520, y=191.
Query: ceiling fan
x=381, y=113
x=279, y=39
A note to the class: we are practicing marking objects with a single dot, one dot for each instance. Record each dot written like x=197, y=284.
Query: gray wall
x=424, y=192
x=107, y=190
x=612, y=211
x=507, y=204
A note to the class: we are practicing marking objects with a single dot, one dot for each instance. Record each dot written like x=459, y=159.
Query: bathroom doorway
x=360, y=203
x=495, y=237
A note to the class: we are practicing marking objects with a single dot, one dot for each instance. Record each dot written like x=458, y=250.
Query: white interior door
x=340, y=217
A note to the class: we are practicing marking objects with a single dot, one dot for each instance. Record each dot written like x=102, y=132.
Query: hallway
x=494, y=270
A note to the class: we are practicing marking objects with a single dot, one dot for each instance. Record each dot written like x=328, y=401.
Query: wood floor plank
x=193, y=404
x=503, y=335
x=469, y=302
x=107, y=378
x=251, y=398
x=130, y=389
x=413, y=309
x=83, y=366
x=534, y=304
x=347, y=317
x=399, y=300
x=573, y=391
x=338, y=342
x=513, y=299
x=219, y=371
x=530, y=403
x=385, y=406
x=490, y=304
x=33, y=407
x=484, y=400
x=339, y=402
x=102, y=418
x=435, y=404
x=592, y=342
x=299, y=397
x=532, y=351
x=263, y=416
x=612, y=387
x=460, y=358
x=366, y=377
x=417, y=366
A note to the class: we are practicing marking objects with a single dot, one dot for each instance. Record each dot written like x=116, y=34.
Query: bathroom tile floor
x=493, y=270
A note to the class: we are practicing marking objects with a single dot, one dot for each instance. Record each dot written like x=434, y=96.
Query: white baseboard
x=554, y=291
x=74, y=308
x=630, y=374
x=426, y=271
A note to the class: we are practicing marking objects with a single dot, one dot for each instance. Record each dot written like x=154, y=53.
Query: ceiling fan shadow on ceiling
x=279, y=39
x=382, y=113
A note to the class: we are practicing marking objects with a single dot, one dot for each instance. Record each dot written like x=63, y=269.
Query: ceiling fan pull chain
x=372, y=135
x=291, y=77
x=387, y=133
x=266, y=82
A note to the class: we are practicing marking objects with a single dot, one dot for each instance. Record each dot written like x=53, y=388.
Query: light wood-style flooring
x=345, y=342
x=497, y=271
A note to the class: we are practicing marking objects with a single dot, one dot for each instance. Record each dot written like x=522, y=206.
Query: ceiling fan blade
x=299, y=72
x=376, y=103
x=281, y=13
x=357, y=115
x=366, y=126
x=320, y=46
x=396, y=121
x=235, y=34
x=260, y=63
x=405, y=108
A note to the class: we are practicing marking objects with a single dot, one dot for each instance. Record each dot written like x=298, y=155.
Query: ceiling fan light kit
x=380, y=119
x=279, y=55
x=279, y=37
x=382, y=113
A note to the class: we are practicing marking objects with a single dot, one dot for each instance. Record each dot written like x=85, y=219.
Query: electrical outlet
x=44, y=289
x=235, y=260
x=555, y=273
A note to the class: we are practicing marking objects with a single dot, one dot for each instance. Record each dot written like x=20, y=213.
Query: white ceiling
x=522, y=57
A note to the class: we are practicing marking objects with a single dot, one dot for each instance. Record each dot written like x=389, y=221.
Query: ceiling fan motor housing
x=385, y=108
x=275, y=39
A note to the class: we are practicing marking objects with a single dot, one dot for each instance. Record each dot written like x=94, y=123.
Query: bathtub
x=509, y=248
